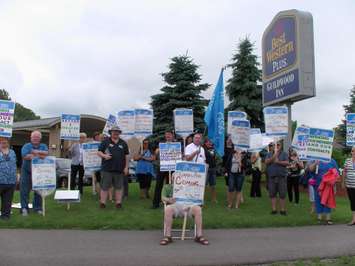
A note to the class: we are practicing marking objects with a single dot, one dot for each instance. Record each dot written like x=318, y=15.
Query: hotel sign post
x=288, y=60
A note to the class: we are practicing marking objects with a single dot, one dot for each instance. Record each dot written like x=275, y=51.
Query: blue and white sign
x=288, y=58
x=350, y=129
x=300, y=140
x=183, y=121
x=126, y=122
x=91, y=160
x=169, y=154
x=44, y=179
x=276, y=121
x=256, y=140
x=189, y=183
x=70, y=127
x=240, y=133
x=7, y=110
x=320, y=144
x=110, y=122
x=234, y=115
x=143, y=123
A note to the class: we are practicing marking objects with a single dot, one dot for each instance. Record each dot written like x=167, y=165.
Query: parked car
x=63, y=166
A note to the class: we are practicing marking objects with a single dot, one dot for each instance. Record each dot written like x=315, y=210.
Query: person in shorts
x=174, y=210
x=114, y=153
x=276, y=167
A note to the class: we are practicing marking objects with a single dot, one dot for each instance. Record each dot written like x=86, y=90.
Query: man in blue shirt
x=29, y=151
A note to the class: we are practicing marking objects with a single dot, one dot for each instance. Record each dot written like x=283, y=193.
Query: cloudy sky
x=98, y=57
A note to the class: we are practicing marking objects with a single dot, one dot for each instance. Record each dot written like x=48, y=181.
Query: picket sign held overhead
x=44, y=178
x=234, y=115
x=169, y=155
x=240, y=133
x=91, y=160
x=126, y=122
x=189, y=183
x=300, y=141
x=143, y=123
x=320, y=144
x=256, y=140
x=7, y=110
x=276, y=121
x=110, y=122
x=183, y=122
x=350, y=129
x=70, y=127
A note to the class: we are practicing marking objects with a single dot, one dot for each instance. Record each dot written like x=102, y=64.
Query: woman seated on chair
x=173, y=210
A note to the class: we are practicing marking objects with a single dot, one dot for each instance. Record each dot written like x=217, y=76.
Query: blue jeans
x=235, y=182
x=25, y=189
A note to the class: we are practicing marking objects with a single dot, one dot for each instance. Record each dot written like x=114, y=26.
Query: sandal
x=201, y=240
x=166, y=240
x=329, y=222
x=351, y=223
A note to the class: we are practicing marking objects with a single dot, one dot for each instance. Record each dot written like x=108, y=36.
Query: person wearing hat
x=114, y=153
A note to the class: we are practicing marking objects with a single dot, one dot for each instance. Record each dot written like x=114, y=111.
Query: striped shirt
x=350, y=173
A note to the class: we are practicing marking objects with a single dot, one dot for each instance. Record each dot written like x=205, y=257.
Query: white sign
x=90, y=158
x=70, y=127
x=143, y=123
x=183, y=121
x=240, y=133
x=320, y=144
x=350, y=129
x=234, y=115
x=189, y=183
x=256, y=140
x=126, y=122
x=169, y=154
x=44, y=175
x=299, y=141
x=110, y=122
x=7, y=110
x=276, y=121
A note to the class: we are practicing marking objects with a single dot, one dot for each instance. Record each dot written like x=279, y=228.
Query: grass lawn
x=136, y=213
x=346, y=260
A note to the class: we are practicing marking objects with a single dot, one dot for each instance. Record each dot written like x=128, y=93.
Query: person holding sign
x=349, y=182
x=7, y=177
x=212, y=173
x=29, y=151
x=77, y=165
x=114, y=153
x=293, y=179
x=174, y=209
x=195, y=152
x=144, y=169
x=276, y=166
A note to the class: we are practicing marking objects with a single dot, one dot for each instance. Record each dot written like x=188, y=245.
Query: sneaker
x=283, y=213
x=118, y=206
x=24, y=212
x=102, y=205
x=39, y=212
x=273, y=212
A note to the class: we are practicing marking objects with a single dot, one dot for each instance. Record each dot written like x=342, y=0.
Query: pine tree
x=182, y=90
x=244, y=88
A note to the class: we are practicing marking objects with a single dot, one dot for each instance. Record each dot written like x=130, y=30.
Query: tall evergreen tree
x=244, y=88
x=182, y=90
x=21, y=112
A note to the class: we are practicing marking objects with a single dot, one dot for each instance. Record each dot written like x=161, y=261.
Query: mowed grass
x=138, y=215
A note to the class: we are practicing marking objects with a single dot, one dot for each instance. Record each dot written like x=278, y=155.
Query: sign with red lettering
x=189, y=183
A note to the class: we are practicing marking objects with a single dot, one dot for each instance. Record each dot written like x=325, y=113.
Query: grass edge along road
x=344, y=260
x=138, y=215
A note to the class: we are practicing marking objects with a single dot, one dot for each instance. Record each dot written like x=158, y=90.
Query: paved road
x=228, y=247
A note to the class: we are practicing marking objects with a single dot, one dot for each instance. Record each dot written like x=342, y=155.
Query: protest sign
x=189, y=183
x=350, y=129
x=256, y=140
x=110, y=122
x=126, y=122
x=240, y=133
x=169, y=154
x=276, y=120
x=234, y=115
x=91, y=160
x=44, y=178
x=143, y=123
x=267, y=140
x=320, y=144
x=70, y=127
x=183, y=121
x=7, y=110
x=299, y=141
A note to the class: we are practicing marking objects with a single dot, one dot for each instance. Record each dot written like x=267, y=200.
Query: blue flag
x=214, y=116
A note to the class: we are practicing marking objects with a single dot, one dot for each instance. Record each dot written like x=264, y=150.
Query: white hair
x=83, y=134
x=36, y=132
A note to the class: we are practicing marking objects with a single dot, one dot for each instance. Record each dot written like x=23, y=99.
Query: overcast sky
x=98, y=57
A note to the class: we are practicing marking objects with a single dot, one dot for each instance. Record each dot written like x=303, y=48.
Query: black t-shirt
x=210, y=157
x=118, y=151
